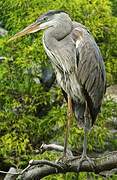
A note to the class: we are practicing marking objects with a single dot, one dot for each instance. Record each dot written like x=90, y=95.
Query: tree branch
x=42, y=168
x=51, y=147
x=105, y=165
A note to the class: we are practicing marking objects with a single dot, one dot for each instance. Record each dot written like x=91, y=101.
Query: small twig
x=24, y=170
x=4, y=172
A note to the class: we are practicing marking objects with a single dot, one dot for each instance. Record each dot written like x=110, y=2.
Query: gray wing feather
x=90, y=69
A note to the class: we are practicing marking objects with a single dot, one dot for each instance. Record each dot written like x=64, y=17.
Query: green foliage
x=31, y=115
x=114, y=5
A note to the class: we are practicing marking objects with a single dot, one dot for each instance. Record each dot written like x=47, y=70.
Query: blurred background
x=32, y=107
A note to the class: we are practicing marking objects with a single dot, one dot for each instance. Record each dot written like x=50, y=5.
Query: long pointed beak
x=28, y=30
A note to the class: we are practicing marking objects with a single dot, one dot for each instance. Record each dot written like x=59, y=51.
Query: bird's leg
x=69, y=118
x=84, y=153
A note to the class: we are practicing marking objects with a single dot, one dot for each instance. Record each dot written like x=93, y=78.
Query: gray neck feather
x=62, y=28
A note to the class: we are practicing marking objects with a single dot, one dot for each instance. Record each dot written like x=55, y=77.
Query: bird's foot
x=84, y=158
x=64, y=158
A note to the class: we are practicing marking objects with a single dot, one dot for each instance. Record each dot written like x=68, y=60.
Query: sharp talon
x=80, y=162
x=92, y=164
x=63, y=159
x=86, y=158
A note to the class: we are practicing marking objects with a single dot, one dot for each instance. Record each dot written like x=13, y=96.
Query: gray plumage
x=76, y=60
x=78, y=64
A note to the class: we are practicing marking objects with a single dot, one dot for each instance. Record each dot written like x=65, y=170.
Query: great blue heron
x=77, y=63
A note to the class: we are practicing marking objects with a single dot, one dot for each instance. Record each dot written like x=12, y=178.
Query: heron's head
x=49, y=19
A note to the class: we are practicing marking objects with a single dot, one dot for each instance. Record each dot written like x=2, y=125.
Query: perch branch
x=42, y=168
x=105, y=165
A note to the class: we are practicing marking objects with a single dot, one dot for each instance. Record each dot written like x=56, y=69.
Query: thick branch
x=104, y=163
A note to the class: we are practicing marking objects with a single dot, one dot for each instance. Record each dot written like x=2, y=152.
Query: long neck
x=56, y=33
